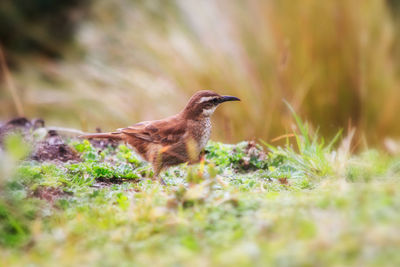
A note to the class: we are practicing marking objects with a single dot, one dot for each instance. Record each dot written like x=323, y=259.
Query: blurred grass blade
x=302, y=127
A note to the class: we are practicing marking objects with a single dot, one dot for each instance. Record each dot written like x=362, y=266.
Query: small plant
x=88, y=152
x=125, y=153
x=245, y=156
x=311, y=155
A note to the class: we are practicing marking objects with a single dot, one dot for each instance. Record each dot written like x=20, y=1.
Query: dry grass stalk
x=10, y=84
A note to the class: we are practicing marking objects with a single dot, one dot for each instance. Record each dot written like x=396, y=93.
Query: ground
x=70, y=202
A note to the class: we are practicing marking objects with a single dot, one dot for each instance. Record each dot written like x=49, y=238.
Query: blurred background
x=90, y=63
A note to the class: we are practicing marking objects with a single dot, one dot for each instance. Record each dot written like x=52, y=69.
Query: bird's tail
x=115, y=136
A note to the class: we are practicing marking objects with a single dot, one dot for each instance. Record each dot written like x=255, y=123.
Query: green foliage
x=313, y=156
x=370, y=166
x=125, y=153
x=16, y=147
x=13, y=228
x=238, y=157
x=102, y=170
x=241, y=206
x=16, y=212
x=99, y=164
x=88, y=152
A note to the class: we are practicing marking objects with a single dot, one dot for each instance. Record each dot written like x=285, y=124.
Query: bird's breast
x=203, y=133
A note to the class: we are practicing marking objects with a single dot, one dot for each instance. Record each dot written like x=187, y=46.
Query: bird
x=176, y=139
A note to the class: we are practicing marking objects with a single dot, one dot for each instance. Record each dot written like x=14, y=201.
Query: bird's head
x=204, y=103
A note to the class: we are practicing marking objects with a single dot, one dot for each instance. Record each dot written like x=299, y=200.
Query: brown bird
x=173, y=140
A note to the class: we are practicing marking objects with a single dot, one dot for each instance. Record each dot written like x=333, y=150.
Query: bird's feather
x=162, y=132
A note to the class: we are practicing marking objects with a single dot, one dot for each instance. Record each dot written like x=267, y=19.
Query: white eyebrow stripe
x=206, y=98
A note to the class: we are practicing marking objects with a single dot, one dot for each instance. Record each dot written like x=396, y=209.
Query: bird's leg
x=157, y=175
x=157, y=167
x=200, y=158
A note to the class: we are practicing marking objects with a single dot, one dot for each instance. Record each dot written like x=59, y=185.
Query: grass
x=245, y=205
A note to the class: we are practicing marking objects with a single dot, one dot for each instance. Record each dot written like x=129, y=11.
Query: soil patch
x=54, y=148
x=50, y=147
x=19, y=125
x=253, y=155
x=50, y=194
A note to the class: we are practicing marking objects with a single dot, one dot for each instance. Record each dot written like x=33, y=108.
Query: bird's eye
x=208, y=105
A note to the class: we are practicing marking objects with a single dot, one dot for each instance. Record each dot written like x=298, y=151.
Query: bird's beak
x=226, y=98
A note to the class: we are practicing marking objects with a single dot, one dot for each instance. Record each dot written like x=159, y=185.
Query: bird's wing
x=138, y=130
x=163, y=132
